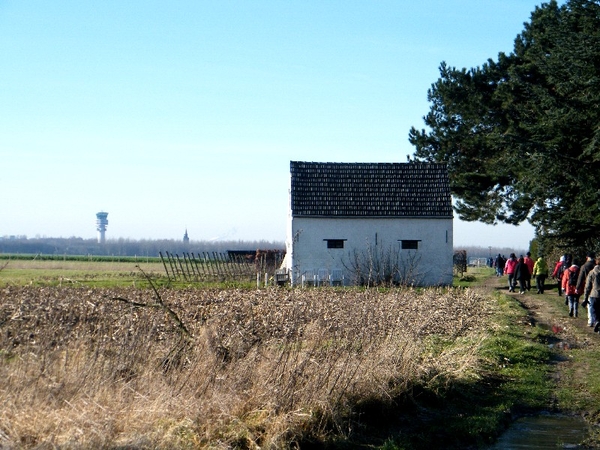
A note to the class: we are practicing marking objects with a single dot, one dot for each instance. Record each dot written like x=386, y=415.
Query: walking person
x=509, y=269
x=499, y=263
x=592, y=293
x=569, y=286
x=540, y=272
x=522, y=275
x=530, y=263
x=584, y=270
x=559, y=269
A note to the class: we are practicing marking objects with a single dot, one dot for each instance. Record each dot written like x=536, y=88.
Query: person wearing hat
x=559, y=269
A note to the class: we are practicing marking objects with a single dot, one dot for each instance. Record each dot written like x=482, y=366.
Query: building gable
x=370, y=190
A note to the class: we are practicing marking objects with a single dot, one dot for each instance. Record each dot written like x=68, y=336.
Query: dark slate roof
x=370, y=190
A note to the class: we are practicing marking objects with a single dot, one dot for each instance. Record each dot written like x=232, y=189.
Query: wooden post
x=235, y=267
x=196, y=261
x=227, y=265
x=204, y=266
x=164, y=265
x=194, y=265
x=222, y=265
x=210, y=265
x=187, y=269
x=216, y=258
x=173, y=267
x=181, y=266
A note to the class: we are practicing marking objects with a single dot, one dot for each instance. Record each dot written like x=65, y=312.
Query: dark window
x=410, y=245
x=335, y=243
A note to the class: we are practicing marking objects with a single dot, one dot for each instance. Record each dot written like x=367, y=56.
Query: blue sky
x=185, y=114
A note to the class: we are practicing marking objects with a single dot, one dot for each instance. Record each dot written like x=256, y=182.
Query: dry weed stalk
x=264, y=367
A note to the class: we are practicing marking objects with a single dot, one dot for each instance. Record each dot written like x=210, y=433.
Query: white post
x=266, y=279
x=257, y=280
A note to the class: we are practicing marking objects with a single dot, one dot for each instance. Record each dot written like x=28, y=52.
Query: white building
x=364, y=223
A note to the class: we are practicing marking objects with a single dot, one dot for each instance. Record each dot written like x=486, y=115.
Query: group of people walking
x=520, y=271
x=577, y=280
x=574, y=280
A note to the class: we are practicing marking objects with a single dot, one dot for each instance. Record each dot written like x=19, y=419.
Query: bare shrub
x=380, y=265
x=262, y=368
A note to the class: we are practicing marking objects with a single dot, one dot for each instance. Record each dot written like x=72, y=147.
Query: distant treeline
x=86, y=258
x=151, y=248
x=125, y=247
x=486, y=252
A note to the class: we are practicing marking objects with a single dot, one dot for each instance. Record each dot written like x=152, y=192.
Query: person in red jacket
x=509, y=269
x=530, y=263
x=569, y=286
x=559, y=269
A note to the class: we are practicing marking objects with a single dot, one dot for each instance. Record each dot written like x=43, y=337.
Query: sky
x=186, y=114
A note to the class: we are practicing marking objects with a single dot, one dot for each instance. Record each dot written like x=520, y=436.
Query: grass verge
x=513, y=378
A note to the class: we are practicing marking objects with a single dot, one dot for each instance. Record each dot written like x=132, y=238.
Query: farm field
x=215, y=269
x=76, y=272
x=156, y=367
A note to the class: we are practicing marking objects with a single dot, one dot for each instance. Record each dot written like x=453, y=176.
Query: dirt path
x=549, y=311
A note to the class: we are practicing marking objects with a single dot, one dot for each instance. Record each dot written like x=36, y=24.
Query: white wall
x=307, y=249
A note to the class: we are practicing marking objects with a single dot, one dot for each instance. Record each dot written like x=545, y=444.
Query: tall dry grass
x=262, y=368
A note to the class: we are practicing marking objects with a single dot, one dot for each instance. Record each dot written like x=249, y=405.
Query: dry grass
x=262, y=368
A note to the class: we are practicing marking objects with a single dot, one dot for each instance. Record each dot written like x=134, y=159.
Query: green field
x=124, y=271
x=40, y=272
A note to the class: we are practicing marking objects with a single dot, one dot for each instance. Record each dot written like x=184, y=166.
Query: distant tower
x=101, y=223
x=186, y=238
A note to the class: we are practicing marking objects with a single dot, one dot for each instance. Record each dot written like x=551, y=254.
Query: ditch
x=575, y=416
x=544, y=431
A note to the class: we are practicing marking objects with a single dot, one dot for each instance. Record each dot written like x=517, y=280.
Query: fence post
x=203, y=265
x=209, y=266
x=236, y=267
x=164, y=265
x=173, y=267
x=194, y=265
x=225, y=265
x=181, y=266
x=187, y=268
